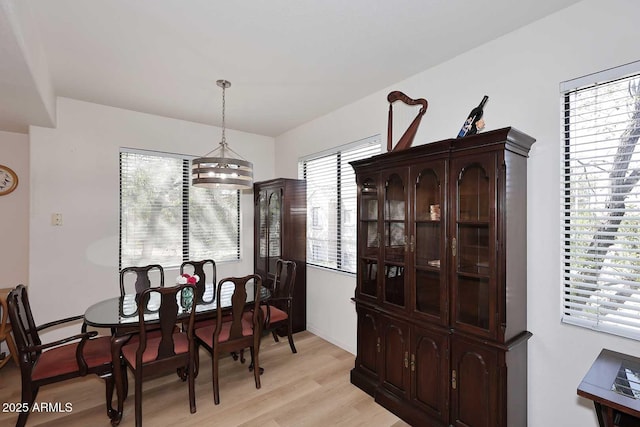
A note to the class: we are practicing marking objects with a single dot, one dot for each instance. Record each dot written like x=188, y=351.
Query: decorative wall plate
x=8, y=180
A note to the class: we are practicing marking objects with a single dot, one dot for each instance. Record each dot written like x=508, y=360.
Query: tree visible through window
x=601, y=201
x=331, y=204
x=164, y=220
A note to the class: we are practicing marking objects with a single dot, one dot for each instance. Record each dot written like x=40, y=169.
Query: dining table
x=120, y=315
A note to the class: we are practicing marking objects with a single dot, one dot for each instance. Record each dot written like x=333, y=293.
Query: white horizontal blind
x=601, y=203
x=331, y=204
x=214, y=223
x=164, y=220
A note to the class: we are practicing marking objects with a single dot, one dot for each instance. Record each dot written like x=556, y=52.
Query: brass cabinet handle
x=412, y=244
x=378, y=345
x=406, y=359
x=413, y=362
x=454, y=246
x=454, y=384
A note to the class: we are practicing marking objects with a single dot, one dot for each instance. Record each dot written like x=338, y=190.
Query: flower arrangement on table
x=185, y=278
x=187, y=295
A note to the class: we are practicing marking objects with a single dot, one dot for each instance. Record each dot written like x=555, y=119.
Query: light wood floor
x=310, y=388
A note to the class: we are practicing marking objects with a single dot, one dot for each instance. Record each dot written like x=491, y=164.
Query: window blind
x=601, y=201
x=164, y=220
x=331, y=204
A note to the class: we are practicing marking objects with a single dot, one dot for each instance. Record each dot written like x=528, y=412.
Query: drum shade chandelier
x=215, y=169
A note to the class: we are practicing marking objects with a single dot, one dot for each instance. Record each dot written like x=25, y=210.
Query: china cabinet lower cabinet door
x=474, y=384
x=365, y=374
x=430, y=372
x=395, y=360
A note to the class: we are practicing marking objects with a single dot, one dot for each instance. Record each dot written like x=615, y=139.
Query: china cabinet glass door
x=369, y=238
x=427, y=242
x=275, y=227
x=394, y=238
x=473, y=245
x=262, y=231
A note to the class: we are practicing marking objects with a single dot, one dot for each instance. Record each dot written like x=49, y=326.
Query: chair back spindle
x=143, y=278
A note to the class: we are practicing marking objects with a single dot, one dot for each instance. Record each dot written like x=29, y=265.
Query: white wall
x=14, y=212
x=74, y=171
x=521, y=73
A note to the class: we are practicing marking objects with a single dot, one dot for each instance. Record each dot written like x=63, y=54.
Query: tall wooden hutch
x=280, y=231
x=441, y=292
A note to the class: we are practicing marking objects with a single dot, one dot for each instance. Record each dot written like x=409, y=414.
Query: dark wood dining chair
x=147, y=276
x=278, y=310
x=173, y=348
x=60, y=360
x=205, y=269
x=143, y=278
x=233, y=330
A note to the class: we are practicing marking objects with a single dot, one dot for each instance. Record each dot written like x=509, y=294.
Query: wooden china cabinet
x=441, y=293
x=280, y=231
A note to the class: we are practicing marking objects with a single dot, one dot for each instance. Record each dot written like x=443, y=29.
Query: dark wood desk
x=120, y=314
x=613, y=384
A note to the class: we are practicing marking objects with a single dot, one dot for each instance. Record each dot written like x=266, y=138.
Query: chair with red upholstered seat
x=135, y=279
x=146, y=277
x=278, y=311
x=172, y=348
x=42, y=364
x=234, y=331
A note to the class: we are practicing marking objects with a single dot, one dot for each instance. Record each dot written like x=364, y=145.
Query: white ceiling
x=288, y=61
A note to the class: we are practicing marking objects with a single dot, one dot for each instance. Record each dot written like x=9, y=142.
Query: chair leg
x=290, y=336
x=28, y=397
x=138, y=397
x=196, y=360
x=256, y=366
x=191, y=369
x=275, y=335
x=125, y=381
x=109, y=382
x=214, y=373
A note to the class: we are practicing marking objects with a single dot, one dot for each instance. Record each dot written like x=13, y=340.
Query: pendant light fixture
x=216, y=169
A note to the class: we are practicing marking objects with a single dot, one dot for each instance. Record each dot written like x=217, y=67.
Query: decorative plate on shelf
x=8, y=180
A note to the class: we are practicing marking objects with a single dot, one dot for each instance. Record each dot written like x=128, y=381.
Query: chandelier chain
x=224, y=140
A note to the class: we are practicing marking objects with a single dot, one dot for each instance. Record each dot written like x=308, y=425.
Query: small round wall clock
x=8, y=180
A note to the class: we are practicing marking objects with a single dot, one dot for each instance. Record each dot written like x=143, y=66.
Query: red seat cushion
x=277, y=315
x=62, y=360
x=180, y=346
x=206, y=334
x=151, y=333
